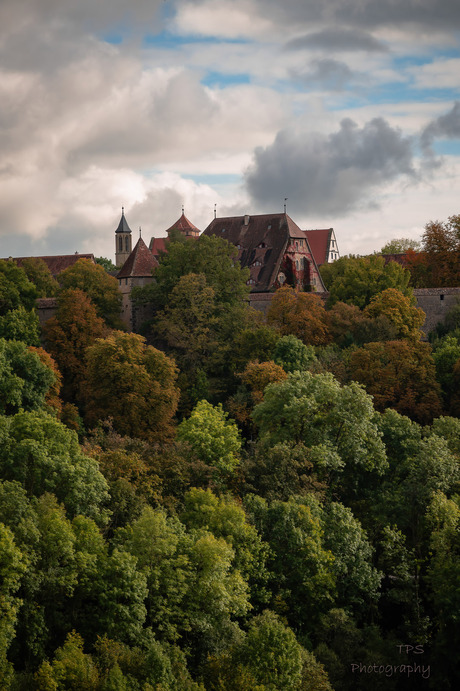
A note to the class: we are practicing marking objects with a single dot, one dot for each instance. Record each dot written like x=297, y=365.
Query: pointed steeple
x=123, y=240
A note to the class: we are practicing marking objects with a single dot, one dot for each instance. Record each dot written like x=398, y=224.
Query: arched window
x=126, y=243
x=120, y=244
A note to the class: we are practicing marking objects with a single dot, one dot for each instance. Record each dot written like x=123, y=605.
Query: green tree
x=132, y=383
x=107, y=264
x=212, y=438
x=293, y=355
x=15, y=288
x=210, y=256
x=38, y=273
x=20, y=325
x=25, y=381
x=13, y=564
x=271, y=652
x=355, y=280
x=194, y=591
x=302, y=579
x=225, y=518
x=71, y=670
x=44, y=456
x=446, y=355
x=400, y=245
x=99, y=286
x=357, y=580
x=335, y=422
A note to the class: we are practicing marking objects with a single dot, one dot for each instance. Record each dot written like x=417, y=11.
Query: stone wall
x=435, y=302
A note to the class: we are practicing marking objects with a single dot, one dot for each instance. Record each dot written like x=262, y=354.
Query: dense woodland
x=228, y=502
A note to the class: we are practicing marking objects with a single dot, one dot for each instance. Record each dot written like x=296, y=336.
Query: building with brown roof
x=136, y=271
x=59, y=263
x=274, y=249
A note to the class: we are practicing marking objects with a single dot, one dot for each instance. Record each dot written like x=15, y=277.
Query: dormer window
x=223, y=230
x=261, y=246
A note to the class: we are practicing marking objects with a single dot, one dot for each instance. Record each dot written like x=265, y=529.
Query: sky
x=347, y=109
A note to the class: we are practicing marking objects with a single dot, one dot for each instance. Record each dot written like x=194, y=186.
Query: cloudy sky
x=349, y=108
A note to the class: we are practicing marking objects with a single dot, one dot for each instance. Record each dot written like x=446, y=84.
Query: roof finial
x=182, y=209
x=285, y=200
x=215, y=210
x=140, y=232
x=122, y=210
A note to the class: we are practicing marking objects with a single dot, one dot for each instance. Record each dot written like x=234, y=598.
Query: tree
x=400, y=375
x=15, y=288
x=38, y=273
x=211, y=256
x=193, y=590
x=132, y=383
x=446, y=356
x=25, y=380
x=44, y=456
x=399, y=310
x=302, y=580
x=52, y=397
x=299, y=314
x=335, y=422
x=400, y=246
x=271, y=652
x=68, y=334
x=441, y=245
x=355, y=280
x=293, y=355
x=13, y=565
x=99, y=286
x=212, y=438
x=225, y=518
x=20, y=325
x=107, y=264
x=357, y=580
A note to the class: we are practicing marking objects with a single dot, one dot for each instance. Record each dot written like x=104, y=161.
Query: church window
x=120, y=244
x=126, y=244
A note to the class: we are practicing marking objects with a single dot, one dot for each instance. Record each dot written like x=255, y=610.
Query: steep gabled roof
x=140, y=262
x=319, y=241
x=261, y=241
x=60, y=262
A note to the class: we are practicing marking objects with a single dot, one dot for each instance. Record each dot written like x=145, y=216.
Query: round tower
x=123, y=241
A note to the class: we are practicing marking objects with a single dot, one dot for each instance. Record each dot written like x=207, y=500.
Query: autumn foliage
x=300, y=314
x=132, y=383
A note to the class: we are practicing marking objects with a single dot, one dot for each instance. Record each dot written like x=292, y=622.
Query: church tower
x=123, y=241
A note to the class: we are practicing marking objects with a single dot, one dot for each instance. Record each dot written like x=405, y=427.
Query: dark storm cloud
x=329, y=173
x=329, y=73
x=336, y=39
x=442, y=14
x=446, y=126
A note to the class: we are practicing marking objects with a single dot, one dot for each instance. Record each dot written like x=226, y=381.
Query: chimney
x=246, y=220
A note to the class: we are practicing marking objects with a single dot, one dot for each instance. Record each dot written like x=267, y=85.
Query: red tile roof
x=319, y=241
x=184, y=226
x=60, y=262
x=157, y=245
x=140, y=262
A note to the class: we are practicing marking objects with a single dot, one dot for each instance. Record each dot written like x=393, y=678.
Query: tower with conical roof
x=123, y=241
